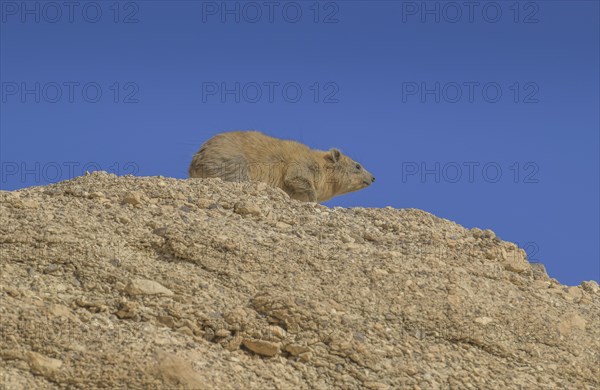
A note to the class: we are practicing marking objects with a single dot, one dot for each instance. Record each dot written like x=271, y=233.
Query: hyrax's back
x=244, y=155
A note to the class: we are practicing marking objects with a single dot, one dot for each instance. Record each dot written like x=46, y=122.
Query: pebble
x=571, y=322
x=591, y=286
x=574, y=293
x=262, y=347
x=245, y=208
x=222, y=333
x=282, y=226
x=203, y=203
x=295, y=349
x=124, y=220
x=277, y=331
x=51, y=268
x=186, y=331
x=43, y=365
x=133, y=198
x=146, y=287
x=484, y=320
x=166, y=320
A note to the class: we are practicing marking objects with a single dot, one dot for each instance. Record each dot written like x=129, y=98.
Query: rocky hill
x=114, y=282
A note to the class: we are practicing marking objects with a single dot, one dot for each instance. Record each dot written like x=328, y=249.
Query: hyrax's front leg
x=300, y=188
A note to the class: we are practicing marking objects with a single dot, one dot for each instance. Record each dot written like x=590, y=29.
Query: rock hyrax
x=305, y=174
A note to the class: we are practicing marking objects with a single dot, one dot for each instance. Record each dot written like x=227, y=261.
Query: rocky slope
x=114, y=282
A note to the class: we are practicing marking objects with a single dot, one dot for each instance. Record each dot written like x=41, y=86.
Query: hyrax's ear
x=333, y=156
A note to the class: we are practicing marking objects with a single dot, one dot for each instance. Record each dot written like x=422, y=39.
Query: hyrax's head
x=344, y=174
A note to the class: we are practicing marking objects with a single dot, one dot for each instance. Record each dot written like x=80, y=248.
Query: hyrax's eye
x=358, y=167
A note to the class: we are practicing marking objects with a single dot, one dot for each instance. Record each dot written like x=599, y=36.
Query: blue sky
x=484, y=113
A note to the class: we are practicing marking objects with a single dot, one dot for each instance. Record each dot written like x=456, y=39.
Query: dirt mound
x=113, y=282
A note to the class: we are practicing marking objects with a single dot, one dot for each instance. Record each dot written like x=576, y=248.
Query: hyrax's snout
x=369, y=180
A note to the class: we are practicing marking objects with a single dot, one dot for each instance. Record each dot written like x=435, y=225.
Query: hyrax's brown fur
x=305, y=174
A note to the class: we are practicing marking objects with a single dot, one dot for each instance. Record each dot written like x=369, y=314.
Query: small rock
x=484, y=320
x=476, y=232
x=182, y=298
x=11, y=354
x=96, y=194
x=146, y=287
x=166, y=208
x=62, y=311
x=378, y=273
x=487, y=233
x=261, y=186
x=245, y=208
x=277, y=332
x=236, y=317
x=93, y=307
x=186, y=208
x=574, y=293
x=43, y=365
x=12, y=196
x=30, y=204
x=370, y=236
x=167, y=321
x=514, y=259
x=295, y=349
x=305, y=356
x=352, y=246
x=591, y=286
x=541, y=284
x=177, y=372
x=226, y=205
x=539, y=271
x=233, y=344
x=185, y=330
x=126, y=310
x=203, y=203
x=283, y=226
x=376, y=386
x=346, y=239
x=222, y=333
x=13, y=292
x=133, y=197
x=160, y=231
x=124, y=220
x=261, y=347
x=51, y=269
x=570, y=322
x=360, y=337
